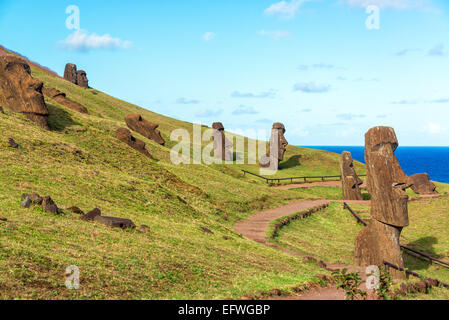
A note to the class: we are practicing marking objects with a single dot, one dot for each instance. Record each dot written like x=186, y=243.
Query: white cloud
x=244, y=110
x=285, y=8
x=209, y=113
x=187, y=101
x=434, y=128
x=81, y=40
x=389, y=4
x=275, y=35
x=311, y=87
x=238, y=94
x=208, y=36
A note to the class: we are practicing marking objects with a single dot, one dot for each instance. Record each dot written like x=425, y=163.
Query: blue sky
x=313, y=65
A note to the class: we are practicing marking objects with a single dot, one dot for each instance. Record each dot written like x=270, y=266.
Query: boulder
x=222, y=146
x=50, y=206
x=349, y=179
x=81, y=79
x=422, y=184
x=91, y=215
x=20, y=93
x=125, y=135
x=60, y=97
x=70, y=73
x=26, y=203
x=147, y=129
x=12, y=143
x=34, y=197
x=115, y=222
x=76, y=210
x=278, y=147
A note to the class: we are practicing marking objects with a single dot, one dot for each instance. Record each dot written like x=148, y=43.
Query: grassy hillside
x=81, y=163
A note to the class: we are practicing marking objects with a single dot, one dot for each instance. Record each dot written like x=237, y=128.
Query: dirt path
x=312, y=184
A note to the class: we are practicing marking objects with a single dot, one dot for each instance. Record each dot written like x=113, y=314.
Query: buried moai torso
x=222, y=146
x=20, y=93
x=70, y=73
x=147, y=129
x=387, y=183
x=278, y=147
x=422, y=184
x=350, y=180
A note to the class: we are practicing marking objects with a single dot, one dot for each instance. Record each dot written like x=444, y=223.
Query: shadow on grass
x=424, y=245
x=290, y=163
x=59, y=118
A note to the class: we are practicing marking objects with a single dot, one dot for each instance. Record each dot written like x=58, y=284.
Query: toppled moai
x=387, y=183
x=20, y=92
x=222, y=146
x=78, y=77
x=47, y=203
x=147, y=129
x=113, y=222
x=125, y=135
x=350, y=181
x=278, y=146
x=422, y=184
x=61, y=98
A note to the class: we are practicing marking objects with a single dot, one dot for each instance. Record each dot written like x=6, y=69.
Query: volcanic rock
x=350, y=180
x=422, y=184
x=76, y=210
x=91, y=215
x=222, y=146
x=125, y=135
x=147, y=129
x=26, y=203
x=115, y=222
x=20, y=93
x=70, y=73
x=49, y=205
x=278, y=146
x=60, y=97
x=12, y=143
x=81, y=79
x=34, y=197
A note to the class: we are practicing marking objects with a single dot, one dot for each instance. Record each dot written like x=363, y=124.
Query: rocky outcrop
x=61, y=98
x=349, y=179
x=20, y=93
x=422, y=184
x=125, y=135
x=389, y=212
x=78, y=77
x=222, y=146
x=147, y=129
x=278, y=146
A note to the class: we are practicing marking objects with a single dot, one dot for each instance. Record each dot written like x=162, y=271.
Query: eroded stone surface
x=422, y=184
x=147, y=129
x=115, y=222
x=91, y=215
x=70, y=73
x=222, y=146
x=61, y=98
x=125, y=135
x=350, y=180
x=20, y=92
x=81, y=79
x=278, y=147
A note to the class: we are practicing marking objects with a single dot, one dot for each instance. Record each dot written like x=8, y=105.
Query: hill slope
x=81, y=163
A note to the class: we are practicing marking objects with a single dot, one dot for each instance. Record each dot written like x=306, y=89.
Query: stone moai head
x=20, y=92
x=350, y=180
x=278, y=147
x=145, y=128
x=222, y=146
x=386, y=180
x=81, y=79
x=70, y=73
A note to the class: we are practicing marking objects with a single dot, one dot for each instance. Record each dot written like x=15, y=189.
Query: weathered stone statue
x=278, y=146
x=19, y=92
x=81, y=79
x=145, y=128
x=387, y=183
x=349, y=179
x=70, y=73
x=60, y=97
x=125, y=135
x=422, y=184
x=222, y=146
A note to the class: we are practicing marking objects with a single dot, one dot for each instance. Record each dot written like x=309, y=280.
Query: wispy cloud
x=416, y=101
x=286, y=9
x=350, y=116
x=244, y=110
x=266, y=94
x=434, y=128
x=81, y=40
x=275, y=35
x=438, y=50
x=187, y=101
x=208, y=36
x=306, y=110
x=391, y=4
x=208, y=113
x=311, y=87
x=320, y=65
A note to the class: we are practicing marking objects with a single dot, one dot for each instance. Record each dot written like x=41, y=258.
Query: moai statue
x=278, y=146
x=20, y=92
x=70, y=73
x=222, y=146
x=350, y=181
x=387, y=183
x=422, y=184
x=145, y=128
x=81, y=79
x=125, y=136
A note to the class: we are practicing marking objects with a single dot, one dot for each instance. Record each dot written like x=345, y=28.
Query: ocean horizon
x=431, y=160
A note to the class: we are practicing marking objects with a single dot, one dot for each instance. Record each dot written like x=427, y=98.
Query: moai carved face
x=19, y=91
x=82, y=80
x=281, y=143
x=222, y=146
x=145, y=128
x=386, y=180
x=347, y=168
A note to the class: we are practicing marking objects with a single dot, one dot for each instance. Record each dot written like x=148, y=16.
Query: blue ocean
x=431, y=160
